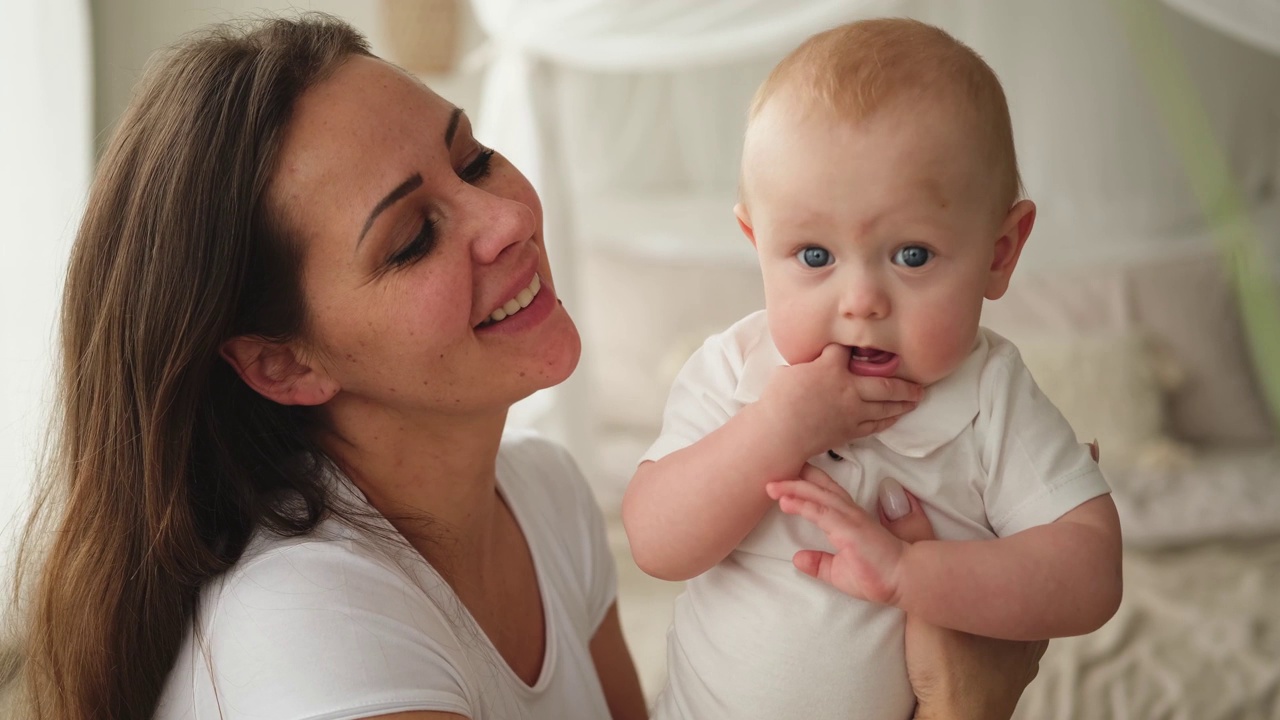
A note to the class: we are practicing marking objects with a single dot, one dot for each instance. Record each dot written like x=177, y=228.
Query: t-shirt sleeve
x=1036, y=469
x=314, y=630
x=701, y=398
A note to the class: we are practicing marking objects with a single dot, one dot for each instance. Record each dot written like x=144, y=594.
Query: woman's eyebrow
x=412, y=183
x=449, y=132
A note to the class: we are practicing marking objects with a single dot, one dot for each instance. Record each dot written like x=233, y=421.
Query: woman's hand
x=955, y=675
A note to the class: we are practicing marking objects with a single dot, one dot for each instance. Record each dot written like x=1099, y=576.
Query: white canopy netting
x=1143, y=126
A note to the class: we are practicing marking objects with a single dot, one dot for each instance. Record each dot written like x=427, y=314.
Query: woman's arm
x=958, y=676
x=955, y=675
x=616, y=670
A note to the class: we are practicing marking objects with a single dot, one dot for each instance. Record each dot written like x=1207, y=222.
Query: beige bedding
x=1196, y=638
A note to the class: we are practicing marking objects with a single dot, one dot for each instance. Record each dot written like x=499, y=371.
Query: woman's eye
x=418, y=247
x=477, y=169
x=815, y=257
x=912, y=256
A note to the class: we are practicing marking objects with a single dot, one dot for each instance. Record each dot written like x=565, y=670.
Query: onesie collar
x=948, y=407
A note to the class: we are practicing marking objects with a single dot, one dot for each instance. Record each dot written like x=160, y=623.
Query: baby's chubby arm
x=687, y=511
x=1048, y=581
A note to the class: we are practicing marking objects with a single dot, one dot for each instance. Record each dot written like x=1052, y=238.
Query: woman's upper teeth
x=519, y=302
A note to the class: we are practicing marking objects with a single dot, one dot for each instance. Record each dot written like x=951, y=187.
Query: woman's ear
x=1013, y=236
x=744, y=222
x=274, y=371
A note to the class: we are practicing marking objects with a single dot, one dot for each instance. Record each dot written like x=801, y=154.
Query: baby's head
x=880, y=188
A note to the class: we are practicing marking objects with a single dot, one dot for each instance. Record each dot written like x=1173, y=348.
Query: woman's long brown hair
x=164, y=462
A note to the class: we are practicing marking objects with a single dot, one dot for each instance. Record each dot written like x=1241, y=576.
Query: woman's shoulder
x=312, y=625
x=317, y=578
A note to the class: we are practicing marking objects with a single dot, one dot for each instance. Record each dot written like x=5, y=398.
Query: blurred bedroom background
x=1146, y=303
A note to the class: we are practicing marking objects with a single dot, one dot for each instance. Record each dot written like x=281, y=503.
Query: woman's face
x=413, y=237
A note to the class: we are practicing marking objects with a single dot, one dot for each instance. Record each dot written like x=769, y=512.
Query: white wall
x=45, y=153
x=127, y=32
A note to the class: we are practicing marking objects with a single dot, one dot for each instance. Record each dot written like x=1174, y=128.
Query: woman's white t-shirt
x=338, y=624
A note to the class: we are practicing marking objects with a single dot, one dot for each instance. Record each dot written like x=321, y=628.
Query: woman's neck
x=433, y=477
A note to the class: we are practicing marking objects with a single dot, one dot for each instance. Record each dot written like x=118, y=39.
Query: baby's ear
x=1013, y=235
x=275, y=371
x=744, y=222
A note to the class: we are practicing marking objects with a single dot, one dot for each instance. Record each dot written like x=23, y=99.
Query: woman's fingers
x=913, y=526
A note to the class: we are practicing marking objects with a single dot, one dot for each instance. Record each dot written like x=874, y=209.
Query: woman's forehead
x=367, y=101
x=364, y=126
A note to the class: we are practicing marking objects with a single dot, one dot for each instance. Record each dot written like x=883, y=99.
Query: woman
x=301, y=302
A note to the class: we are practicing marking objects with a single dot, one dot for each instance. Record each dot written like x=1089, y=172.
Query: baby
x=880, y=190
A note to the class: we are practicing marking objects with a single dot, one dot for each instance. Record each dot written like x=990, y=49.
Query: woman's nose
x=498, y=223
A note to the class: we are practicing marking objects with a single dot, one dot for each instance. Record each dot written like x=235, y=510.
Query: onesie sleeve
x=316, y=630
x=702, y=398
x=1036, y=470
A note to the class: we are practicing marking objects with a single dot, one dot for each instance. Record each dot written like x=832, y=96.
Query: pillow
x=1187, y=304
x=1183, y=304
x=1113, y=388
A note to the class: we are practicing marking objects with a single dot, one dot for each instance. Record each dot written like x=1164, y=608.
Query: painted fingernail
x=893, y=499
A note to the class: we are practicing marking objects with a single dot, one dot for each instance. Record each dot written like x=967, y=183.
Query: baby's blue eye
x=815, y=257
x=913, y=256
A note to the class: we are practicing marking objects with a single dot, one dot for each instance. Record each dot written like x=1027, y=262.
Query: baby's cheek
x=795, y=333
x=942, y=345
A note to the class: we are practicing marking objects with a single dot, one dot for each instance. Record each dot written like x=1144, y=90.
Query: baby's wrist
x=782, y=444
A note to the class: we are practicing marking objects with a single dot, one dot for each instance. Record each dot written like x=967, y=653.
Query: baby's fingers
x=814, y=563
x=833, y=515
x=871, y=427
x=807, y=490
x=815, y=475
x=881, y=389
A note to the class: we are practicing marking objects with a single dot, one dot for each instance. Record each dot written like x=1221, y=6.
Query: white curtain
x=45, y=157
x=1256, y=22
x=627, y=36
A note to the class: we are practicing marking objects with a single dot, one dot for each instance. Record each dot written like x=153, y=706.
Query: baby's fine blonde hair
x=856, y=69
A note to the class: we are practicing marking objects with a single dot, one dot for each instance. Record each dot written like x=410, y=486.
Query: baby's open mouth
x=872, y=361
x=872, y=355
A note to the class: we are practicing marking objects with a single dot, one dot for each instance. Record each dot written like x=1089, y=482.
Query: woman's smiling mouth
x=521, y=301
